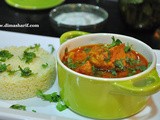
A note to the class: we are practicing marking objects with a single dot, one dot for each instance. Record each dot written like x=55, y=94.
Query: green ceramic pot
x=106, y=98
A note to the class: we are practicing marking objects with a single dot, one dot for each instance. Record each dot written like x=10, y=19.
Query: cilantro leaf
x=45, y=65
x=141, y=68
x=35, y=47
x=28, y=56
x=4, y=55
x=3, y=67
x=113, y=72
x=52, y=48
x=70, y=63
x=18, y=107
x=54, y=97
x=25, y=72
x=115, y=42
x=34, y=111
x=119, y=64
x=127, y=48
x=132, y=61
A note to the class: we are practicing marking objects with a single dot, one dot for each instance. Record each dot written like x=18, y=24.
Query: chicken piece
x=85, y=68
x=105, y=59
x=77, y=56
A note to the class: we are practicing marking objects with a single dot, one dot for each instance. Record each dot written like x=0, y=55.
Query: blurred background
x=136, y=18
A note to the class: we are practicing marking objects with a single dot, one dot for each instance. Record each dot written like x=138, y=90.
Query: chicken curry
x=115, y=60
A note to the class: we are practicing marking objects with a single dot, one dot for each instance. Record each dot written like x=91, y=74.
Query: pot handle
x=71, y=34
x=141, y=86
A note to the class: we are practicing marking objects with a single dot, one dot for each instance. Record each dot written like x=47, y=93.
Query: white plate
x=46, y=110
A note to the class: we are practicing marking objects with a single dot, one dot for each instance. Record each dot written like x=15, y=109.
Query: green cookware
x=106, y=98
x=33, y=4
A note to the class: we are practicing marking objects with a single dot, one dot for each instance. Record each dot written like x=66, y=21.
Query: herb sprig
x=26, y=72
x=3, y=67
x=53, y=97
x=18, y=107
x=4, y=55
x=115, y=42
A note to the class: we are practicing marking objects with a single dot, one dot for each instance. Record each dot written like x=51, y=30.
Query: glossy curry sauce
x=114, y=60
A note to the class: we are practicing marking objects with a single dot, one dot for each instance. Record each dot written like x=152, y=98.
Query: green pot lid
x=33, y=4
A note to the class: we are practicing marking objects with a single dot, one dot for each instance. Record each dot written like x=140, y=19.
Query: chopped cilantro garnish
x=93, y=69
x=60, y=106
x=35, y=47
x=45, y=65
x=25, y=72
x=141, y=68
x=132, y=71
x=109, y=57
x=4, y=55
x=115, y=42
x=87, y=50
x=28, y=56
x=18, y=107
x=3, y=67
x=132, y=61
x=119, y=64
x=113, y=72
x=53, y=97
x=34, y=111
x=84, y=61
x=70, y=63
x=52, y=48
x=127, y=48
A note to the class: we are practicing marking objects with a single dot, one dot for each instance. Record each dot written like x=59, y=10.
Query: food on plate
x=24, y=70
x=113, y=60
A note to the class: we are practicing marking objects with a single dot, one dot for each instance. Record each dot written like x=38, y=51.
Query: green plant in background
x=141, y=14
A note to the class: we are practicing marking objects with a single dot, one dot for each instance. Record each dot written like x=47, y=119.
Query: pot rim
x=150, y=68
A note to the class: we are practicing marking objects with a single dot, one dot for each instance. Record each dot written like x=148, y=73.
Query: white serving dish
x=46, y=110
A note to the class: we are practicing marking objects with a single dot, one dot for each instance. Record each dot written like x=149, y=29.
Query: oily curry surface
x=113, y=60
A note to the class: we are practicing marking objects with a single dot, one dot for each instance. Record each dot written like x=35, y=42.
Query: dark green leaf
x=119, y=64
x=35, y=47
x=115, y=42
x=132, y=61
x=70, y=63
x=25, y=72
x=127, y=48
x=54, y=97
x=34, y=111
x=52, y=48
x=28, y=56
x=132, y=71
x=45, y=65
x=113, y=72
x=3, y=67
x=18, y=107
x=4, y=55
x=141, y=68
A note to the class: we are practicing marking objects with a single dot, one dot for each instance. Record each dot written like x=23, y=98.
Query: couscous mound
x=24, y=70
